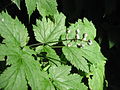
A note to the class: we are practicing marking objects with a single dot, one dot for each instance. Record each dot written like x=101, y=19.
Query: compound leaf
x=24, y=70
x=24, y=67
x=13, y=31
x=91, y=52
x=49, y=31
x=63, y=81
x=74, y=56
x=14, y=74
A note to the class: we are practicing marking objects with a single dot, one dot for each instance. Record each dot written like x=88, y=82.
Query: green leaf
x=61, y=71
x=97, y=80
x=89, y=28
x=63, y=81
x=2, y=58
x=48, y=31
x=51, y=54
x=75, y=57
x=13, y=31
x=29, y=51
x=17, y=2
x=47, y=7
x=14, y=78
x=24, y=67
x=31, y=5
x=92, y=53
x=11, y=53
x=36, y=79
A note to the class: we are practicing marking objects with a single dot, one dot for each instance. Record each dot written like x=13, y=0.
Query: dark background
x=105, y=15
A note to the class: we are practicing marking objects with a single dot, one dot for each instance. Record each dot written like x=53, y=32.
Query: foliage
x=38, y=65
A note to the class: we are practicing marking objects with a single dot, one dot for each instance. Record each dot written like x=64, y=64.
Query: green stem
x=56, y=46
x=38, y=44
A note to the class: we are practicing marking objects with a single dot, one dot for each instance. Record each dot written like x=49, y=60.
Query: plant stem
x=56, y=46
x=38, y=44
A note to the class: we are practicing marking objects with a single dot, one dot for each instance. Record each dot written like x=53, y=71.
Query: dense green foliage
x=40, y=66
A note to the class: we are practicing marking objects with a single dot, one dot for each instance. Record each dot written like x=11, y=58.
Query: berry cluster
x=77, y=38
